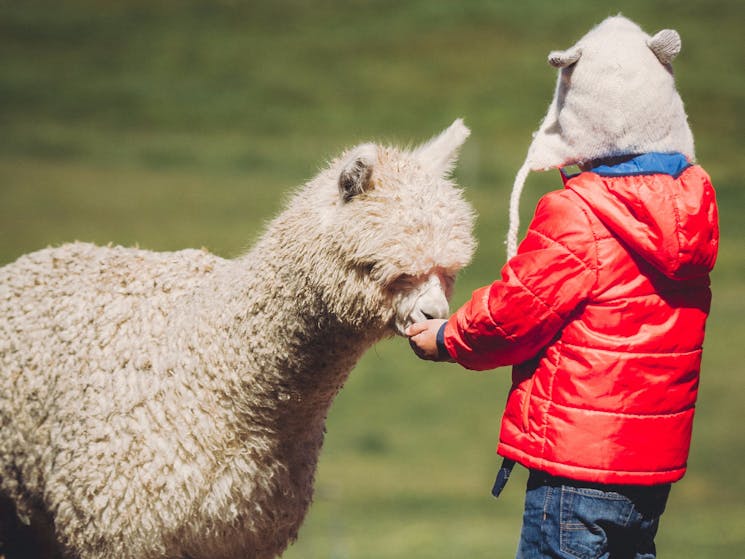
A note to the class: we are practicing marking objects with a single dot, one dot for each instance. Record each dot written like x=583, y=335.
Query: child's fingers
x=416, y=328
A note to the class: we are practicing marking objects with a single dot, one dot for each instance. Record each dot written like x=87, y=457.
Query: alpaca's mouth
x=425, y=302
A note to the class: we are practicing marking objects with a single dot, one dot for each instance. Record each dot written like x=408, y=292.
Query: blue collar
x=672, y=164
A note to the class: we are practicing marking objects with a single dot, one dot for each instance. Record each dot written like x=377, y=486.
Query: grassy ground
x=173, y=124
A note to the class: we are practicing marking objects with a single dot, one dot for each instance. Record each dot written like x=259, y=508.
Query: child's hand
x=423, y=339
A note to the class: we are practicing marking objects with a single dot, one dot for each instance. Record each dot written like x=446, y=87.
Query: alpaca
x=172, y=405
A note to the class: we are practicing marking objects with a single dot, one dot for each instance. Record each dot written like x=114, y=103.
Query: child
x=602, y=308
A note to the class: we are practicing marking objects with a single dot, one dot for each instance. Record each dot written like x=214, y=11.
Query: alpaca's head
x=395, y=230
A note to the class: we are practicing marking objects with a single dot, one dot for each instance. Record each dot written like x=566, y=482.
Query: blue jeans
x=565, y=519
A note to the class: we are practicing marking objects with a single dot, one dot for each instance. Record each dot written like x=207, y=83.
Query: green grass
x=172, y=124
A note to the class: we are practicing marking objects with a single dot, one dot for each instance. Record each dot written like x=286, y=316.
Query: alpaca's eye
x=404, y=281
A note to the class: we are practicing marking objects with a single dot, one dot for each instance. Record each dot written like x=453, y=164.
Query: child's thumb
x=414, y=329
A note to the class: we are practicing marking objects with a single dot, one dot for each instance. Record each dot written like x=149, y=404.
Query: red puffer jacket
x=603, y=310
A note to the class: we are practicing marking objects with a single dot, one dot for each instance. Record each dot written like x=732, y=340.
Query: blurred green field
x=186, y=123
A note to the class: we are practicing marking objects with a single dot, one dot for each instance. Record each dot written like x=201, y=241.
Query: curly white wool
x=161, y=405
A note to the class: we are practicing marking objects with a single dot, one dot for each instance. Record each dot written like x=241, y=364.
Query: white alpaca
x=172, y=405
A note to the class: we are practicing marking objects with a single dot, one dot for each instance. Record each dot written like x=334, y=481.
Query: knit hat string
x=517, y=189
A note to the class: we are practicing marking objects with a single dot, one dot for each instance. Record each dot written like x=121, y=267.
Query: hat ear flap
x=564, y=58
x=665, y=45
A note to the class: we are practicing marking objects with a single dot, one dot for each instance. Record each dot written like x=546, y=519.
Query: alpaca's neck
x=286, y=359
x=290, y=353
x=274, y=356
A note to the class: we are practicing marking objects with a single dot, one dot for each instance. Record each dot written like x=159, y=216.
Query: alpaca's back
x=89, y=348
x=90, y=310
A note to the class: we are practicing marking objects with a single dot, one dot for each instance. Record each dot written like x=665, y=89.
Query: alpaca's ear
x=665, y=45
x=439, y=154
x=564, y=58
x=355, y=176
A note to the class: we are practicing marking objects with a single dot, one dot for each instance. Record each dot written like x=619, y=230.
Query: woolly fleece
x=164, y=405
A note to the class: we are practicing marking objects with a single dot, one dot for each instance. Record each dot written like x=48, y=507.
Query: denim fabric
x=565, y=519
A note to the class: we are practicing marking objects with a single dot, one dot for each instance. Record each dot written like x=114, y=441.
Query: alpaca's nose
x=432, y=302
x=433, y=306
x=428, y=300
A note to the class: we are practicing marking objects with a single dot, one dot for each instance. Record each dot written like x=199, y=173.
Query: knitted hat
x=615, y=96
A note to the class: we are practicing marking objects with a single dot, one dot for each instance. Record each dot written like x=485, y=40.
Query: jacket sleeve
x=552, y=274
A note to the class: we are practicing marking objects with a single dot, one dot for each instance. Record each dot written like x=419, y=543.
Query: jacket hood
x=659, y=205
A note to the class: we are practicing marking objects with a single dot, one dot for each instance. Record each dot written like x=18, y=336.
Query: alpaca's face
x=405, y=227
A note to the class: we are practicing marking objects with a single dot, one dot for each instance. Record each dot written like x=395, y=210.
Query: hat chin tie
x=514, y=227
